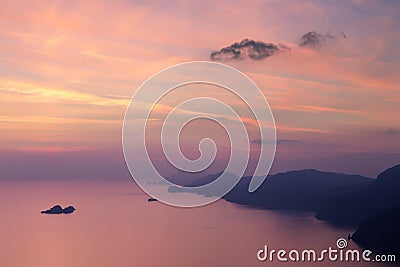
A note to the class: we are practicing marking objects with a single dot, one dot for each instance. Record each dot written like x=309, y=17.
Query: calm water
x=114, y=225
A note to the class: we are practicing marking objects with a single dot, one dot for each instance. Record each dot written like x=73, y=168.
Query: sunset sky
x=69, y=69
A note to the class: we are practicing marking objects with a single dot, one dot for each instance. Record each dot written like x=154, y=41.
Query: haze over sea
x=115, y=225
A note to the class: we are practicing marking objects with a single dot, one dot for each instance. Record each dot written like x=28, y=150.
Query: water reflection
x=115, y=225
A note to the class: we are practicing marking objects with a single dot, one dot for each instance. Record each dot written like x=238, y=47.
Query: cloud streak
x=46, y=94
x=279, y=141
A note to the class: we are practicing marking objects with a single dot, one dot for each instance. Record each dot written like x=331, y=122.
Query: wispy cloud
x=311, y=108
x=279, y=141
x=54, y=120
x=303, y=129
x=53, y=149
x=46, y=94
x=104, y=57
x=314, y=39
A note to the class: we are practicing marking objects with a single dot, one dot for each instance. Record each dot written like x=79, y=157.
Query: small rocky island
x=59, y=210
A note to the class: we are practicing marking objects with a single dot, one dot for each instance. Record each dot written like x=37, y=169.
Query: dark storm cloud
x=255, y=50
x=314, y=39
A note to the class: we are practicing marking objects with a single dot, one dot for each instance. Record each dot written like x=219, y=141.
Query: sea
x=115, y=225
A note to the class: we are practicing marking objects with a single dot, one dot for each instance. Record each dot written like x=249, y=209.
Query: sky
x=69, y=69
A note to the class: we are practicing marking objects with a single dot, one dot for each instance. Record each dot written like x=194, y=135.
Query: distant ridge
x=340, y=199
x=300, y=190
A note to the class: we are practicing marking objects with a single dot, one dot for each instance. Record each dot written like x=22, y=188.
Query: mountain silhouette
x=381, y=232
x=340, y=199
x=354, y=207
x=301, y=190
x=372, y=205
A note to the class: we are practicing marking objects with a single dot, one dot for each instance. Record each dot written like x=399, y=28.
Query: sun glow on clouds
x=44, y=94
x=68, y=69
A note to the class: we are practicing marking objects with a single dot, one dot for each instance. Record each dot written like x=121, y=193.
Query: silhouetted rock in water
x=152, y=200
x=59, y=210
x=356, y=206
x=54, y=210
x=68, y=210
x=303, y=190
x=381, y=233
